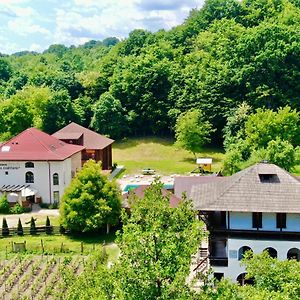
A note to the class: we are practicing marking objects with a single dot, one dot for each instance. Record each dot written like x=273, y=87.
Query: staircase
x=199, y=266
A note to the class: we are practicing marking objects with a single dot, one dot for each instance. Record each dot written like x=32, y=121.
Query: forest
x=225, y=54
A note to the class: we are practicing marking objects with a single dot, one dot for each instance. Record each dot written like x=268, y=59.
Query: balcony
x=218, y=261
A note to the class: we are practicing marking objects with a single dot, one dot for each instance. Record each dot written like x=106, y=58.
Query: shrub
x=44, y=205
x=4, y=205
x=20, y=228
x=17, y=209
x=5, y=229
x=49, y=228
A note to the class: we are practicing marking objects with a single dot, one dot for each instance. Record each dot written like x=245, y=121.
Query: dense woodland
x=225, y=54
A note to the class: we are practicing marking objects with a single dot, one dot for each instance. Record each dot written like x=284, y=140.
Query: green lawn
x=61, y=244
x=161, y=155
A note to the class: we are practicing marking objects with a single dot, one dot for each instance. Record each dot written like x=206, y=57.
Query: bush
x=53, y=206
x=4, y=205
x=5, y=229
x=49, y=228
x=17, y=209
x=44, y=205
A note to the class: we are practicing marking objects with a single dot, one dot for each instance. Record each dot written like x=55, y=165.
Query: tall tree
x=157, y=243
x=91, y=201
x=109, y=116
x=192, y=131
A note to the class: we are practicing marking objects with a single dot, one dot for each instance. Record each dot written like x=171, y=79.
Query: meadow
x=161, y=155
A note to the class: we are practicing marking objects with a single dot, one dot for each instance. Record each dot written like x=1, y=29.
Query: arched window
x=272, y=252
x=242, y=280
x=293, y=253
x=55, y=179
x=242, y=251
x=29, y=164
x=29, y=177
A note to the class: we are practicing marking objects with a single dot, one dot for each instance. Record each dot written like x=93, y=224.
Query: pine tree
x=49, y=228
x=20, y=228
x=5, y=229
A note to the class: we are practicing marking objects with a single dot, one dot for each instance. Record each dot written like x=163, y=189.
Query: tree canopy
x=91, y=201
x=192, y=132
x=157, y=242
x=224, y=54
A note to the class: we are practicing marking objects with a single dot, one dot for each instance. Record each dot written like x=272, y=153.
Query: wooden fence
x=13, y=231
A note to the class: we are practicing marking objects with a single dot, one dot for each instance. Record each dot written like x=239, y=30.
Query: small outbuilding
x=97, y=146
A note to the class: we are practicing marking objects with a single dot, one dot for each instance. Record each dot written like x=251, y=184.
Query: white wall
x=43, y=175
x=234, y=265
x=240, y=220
x=243, y=221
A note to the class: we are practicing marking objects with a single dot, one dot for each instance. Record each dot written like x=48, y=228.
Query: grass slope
x=161, y=155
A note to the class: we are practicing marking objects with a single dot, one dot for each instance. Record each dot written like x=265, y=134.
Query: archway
x=293, y=253
x=272, y=252
x=242, y=251
x=242, y=280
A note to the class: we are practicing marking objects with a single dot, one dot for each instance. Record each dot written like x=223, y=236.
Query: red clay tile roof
x=91, y=139
x=140, y=191
x=35, y=145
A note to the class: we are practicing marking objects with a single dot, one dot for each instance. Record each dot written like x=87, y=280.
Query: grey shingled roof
x=245, y=192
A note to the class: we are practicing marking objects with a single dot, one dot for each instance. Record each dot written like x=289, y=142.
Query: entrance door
x=30, y=199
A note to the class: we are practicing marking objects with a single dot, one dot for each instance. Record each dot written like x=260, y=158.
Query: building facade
x=36, y=167
x=256, y=209
x=97, y=146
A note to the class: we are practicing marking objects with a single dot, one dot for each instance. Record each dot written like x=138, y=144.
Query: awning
x=13, y=188
x=28, y=192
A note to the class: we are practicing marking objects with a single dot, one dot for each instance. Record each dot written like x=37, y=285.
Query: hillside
x=223, y=54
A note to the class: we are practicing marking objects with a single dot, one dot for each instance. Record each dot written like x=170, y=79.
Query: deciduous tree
x=192, y=131
x=156, y=245
x=91, y=201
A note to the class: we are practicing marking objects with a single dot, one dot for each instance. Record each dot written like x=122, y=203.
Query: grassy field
x=61, y=244
x=161, y=155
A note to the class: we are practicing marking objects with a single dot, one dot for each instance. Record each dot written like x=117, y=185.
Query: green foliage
x=157, y=243
x=263, y=135
x=5, y=70
x=91, y=201
x=17, y=209
x=272, y=275
x=49, y=228
x=95, y=282
x=192, y=131
x=282, y=153
x=5, y=229
x=4, y=205
x=224, y=54
x=235, y=126
x=109, y=118
x=57, y=112
x=266, y=125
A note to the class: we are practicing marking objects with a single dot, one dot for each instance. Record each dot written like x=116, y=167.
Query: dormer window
x=29, y=164
x=268, y=178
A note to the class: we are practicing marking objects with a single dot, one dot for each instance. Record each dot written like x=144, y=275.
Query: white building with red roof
x=35, y=166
